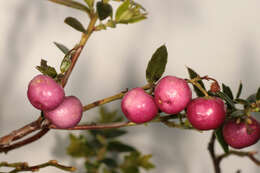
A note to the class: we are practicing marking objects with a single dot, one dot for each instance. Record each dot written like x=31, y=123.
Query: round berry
x=206, y=113
x=240, y=135
x=67, y=115
x=138, y=106
x=172, y=94
x=44, y=93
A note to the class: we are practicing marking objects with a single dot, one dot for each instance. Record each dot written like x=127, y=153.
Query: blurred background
x=216, y=38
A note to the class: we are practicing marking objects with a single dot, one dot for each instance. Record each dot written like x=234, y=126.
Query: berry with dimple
x=67, y=115
x=241, y=135
x=44, y=93
x=172, y=94
x=138, y=106
x=206, y=113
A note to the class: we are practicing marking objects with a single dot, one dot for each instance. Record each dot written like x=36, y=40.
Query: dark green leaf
x=109, y=162
x=258, y=94
x=242, y=101
x=46, y=70
x=252, y=98
x=104, y=10
x=119, y=147
x=72, y=4
x=74, y=23
x=220, y=138
x=225, y=97
x=121, y=9
x=157, y=64
x=63, y=48
x=227, y=91
x=109, y=133
x=237, y=113
x=239, y=90
x=192, y=75
x=91, y=167
x=130, y=169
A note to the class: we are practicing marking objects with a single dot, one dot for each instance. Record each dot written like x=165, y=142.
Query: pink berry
x=44, y=93
x=206, y=113
x=138, y=106
x=67, y=115
x=241, y=135
x=172, y=94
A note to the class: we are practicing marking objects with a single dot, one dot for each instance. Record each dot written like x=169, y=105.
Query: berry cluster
x=173, y=95
x=47, y=95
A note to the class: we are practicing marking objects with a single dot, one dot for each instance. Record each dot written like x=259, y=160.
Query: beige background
x=218, y=38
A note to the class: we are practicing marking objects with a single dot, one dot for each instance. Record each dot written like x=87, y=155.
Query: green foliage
x=74, y=23
x=220, y=138
x=258, y=94
x=104, y=152
x=104, y=10
x=239, y=90
x=157, y=64
x=227, y=91
x=193, y=75
x=63, y=48
x=72, y=4
x=45, y=69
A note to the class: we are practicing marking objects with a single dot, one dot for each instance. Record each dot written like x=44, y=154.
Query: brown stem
x=211, y=149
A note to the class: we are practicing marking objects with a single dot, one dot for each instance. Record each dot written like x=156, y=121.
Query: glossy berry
x=172, y=94
x=241, y=135
x=206, y=113
x=44, y=93
x=67, y=115
x=138, y=106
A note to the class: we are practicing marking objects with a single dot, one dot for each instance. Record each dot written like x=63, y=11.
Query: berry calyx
x=242, y=134
x=206, y=113
x=44, y=93
x=172, y=94
x=138, y=106
x=67, y=115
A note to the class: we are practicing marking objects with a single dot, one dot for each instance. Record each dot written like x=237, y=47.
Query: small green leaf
x=104, y=10
x=133, y=19
x=239, y=90
x=192, y=75
x=220, y=138
x=227, y=91
x=45, y=69
x=110, y=133
x=237, y=113
x=66, y=62
x=252, y=98
x=109, y=162
x=227, y=99
x=121, y=9
x=91, y=167
x=63, y=48
x=144, y=161
x=157, y=64
x=243, y=101
x=258, y=94
x=90, y=3
x=72, y=4
x=119, y=147
x=74, y=23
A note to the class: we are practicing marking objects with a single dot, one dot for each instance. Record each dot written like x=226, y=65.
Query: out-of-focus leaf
x=74, y=23
x=144, y=161
x=252, y=98
x=239, y=90
x=227, y=91
x=109, y=133
x=220, y=138
x=237, y=113
x=104, y=10
x=130, y=164
x=121, y=9
x=258, y=94
x=192, y=75
x=63, y=48
x=72, y=4
x=91, y=167
x=109, y=162
x=225, y=97
x=119, y=147
x=90, y=3
x=79, y=147
x=242, y=101
x=108, y=117
x=157, y=64
x=46, y=69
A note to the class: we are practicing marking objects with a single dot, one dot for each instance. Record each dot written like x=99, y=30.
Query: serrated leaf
x=227, y=91
x=258, y=94
x=225, y=97
x=221, y=140
x=157, y=64
x=63, y=48
x=239, y=90
x=119, y=147
x=45, y=69
x=72, y=4
x=109, y=162
x=192, y=75
x=74, y=23
x=104, y=10
x=121, y=9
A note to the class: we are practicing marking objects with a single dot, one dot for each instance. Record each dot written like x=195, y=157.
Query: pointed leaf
x=258, y=94
x=220, y=138
x=72, y=4
x=225, y=97
x=239, y=90
x=45, y=69
x=119, y=147
x=227, y=91
x=63, y=48
x=192, y=75
x=104, y=10
x=74, y=23
x=121, y=9
x=157, y=64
